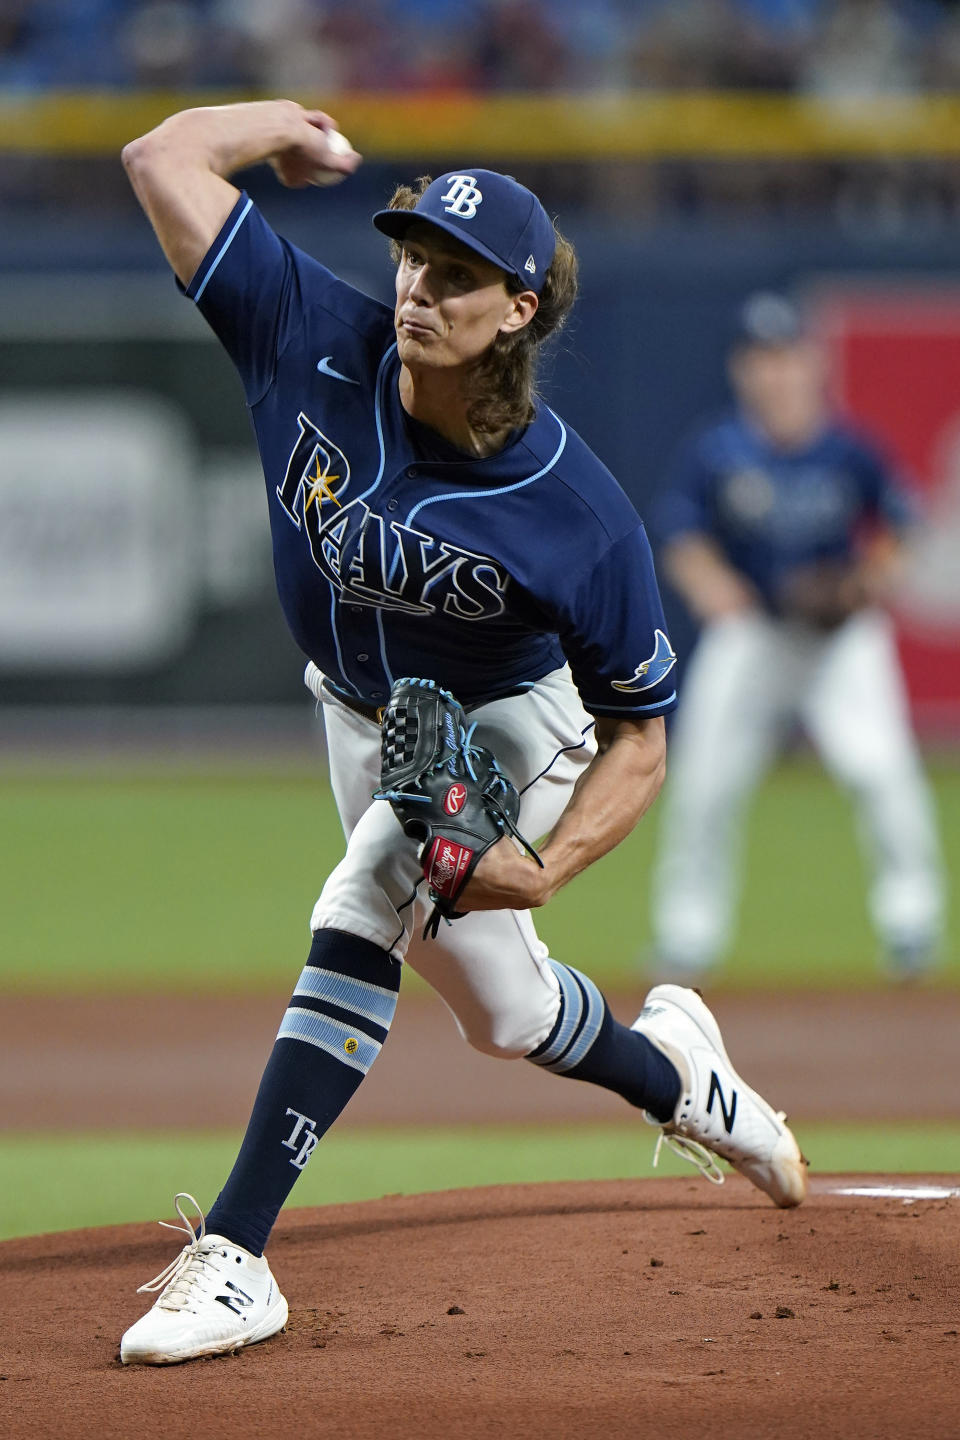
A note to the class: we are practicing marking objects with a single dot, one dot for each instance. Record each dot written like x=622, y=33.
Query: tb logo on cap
x=463, y=195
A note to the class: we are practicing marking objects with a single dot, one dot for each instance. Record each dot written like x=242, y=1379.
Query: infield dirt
x=156, y=1062
x=658, y=1308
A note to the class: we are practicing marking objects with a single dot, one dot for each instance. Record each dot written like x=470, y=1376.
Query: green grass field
x=60, y=1182
x=204, y=882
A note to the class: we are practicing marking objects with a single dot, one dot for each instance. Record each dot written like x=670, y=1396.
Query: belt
x=374, y=713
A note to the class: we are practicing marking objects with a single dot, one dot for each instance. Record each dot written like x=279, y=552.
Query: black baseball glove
x=445, y=791
x=823, y=594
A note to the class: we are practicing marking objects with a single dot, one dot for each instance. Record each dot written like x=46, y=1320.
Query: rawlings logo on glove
x=455, y=799
x=446, y=791
x=446, y=866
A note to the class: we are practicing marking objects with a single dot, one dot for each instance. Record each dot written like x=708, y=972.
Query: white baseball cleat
x=717, y=1114
x=214, y=1297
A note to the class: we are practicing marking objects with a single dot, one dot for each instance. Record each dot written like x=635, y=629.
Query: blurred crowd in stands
x=822, y=48
x=830, y=51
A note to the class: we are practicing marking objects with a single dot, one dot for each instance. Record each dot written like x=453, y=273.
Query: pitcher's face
x=451, y=302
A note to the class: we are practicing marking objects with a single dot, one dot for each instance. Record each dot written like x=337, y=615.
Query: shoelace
x=691, y=1150
x=189, y=1256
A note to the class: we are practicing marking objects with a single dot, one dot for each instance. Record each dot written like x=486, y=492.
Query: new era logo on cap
x=492, y=214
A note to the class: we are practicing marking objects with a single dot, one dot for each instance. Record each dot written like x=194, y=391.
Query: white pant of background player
x=749, y=680
x=489, y=966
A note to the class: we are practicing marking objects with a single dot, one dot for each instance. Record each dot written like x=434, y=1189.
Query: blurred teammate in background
x=782, y=529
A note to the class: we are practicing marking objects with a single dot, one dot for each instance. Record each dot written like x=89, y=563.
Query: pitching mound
x=661, y=1308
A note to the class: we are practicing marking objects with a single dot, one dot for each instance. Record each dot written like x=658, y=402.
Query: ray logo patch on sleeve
x=652, y=670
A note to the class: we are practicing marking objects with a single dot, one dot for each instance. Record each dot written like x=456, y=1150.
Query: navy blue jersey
x=396, y=554
x=773, y=511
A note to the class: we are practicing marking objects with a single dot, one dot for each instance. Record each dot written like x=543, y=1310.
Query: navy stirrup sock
x=329, y=1037
x=587, y=1043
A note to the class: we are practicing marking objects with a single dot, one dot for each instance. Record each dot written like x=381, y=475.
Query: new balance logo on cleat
x=236, y=1302
x=728, y=1115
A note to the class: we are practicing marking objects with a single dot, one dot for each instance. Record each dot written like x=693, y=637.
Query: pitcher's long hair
x=505, y=378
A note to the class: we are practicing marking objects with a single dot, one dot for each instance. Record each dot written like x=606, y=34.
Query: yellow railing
x=639, y=125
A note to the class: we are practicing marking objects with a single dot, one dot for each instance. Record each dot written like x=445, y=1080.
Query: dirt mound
x=628, y=1308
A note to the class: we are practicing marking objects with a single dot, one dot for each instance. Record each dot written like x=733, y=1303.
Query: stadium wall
x=90, y=322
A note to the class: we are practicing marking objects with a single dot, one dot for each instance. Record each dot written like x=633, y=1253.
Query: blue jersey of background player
x=396, y=553
x=783, y=488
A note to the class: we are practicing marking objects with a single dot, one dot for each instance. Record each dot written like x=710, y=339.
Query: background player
x=782, y=528
x=431, y=518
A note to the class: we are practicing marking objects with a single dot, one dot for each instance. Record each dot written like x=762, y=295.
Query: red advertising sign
x=896, y=354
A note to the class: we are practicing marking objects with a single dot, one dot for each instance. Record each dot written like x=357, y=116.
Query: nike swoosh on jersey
x=326, y=368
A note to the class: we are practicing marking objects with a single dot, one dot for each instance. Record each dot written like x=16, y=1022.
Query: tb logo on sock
x=302, y=1138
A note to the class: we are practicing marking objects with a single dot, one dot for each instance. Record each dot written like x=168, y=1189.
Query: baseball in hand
x=339, y=145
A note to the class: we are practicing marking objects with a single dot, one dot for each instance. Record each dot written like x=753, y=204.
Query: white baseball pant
x=489, y=967
x=749, y=679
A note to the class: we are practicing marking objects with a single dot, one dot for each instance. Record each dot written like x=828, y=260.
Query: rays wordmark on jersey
x=373, y=561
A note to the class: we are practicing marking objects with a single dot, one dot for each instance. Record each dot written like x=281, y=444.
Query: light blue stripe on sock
x=591, y=1027
x=572, y=1012
x=373, y=1002
x=330, y=1035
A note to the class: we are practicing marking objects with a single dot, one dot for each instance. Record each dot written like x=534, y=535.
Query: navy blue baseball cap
x=490, y=213
x=766, y=318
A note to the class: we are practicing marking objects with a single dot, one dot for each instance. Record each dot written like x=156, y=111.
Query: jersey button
x=392, y=504
x=363, y=656
x=412, y=471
